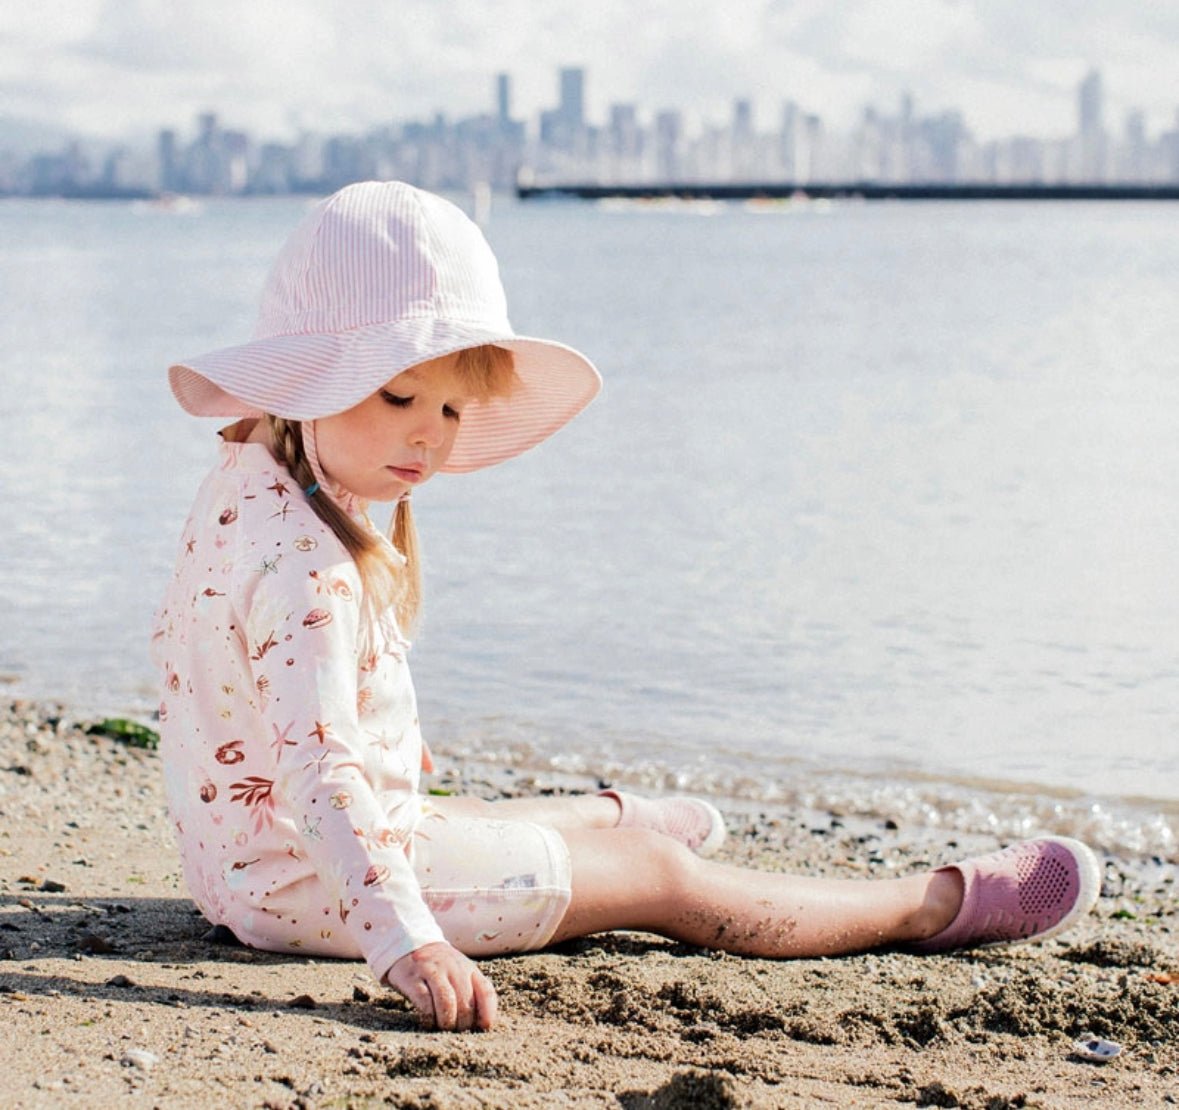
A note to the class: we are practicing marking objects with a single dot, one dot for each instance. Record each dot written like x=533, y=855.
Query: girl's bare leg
x=562, y=811
x=633, y=879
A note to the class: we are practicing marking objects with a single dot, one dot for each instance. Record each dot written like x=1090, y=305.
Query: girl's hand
x=446, y=988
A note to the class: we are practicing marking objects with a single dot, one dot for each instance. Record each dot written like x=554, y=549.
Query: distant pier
x=847, y=191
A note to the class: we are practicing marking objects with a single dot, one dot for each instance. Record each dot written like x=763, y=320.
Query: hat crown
x=377, y=253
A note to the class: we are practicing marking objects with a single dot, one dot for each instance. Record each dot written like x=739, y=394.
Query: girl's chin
x=387, y=492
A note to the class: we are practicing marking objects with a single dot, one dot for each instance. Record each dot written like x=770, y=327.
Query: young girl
x=291, y=744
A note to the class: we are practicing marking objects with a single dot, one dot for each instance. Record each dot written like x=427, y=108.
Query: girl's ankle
x=943, y=899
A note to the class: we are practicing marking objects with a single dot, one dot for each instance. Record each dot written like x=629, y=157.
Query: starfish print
x=189, y=546
x=382, y=742
x=317, y=761
x=279, y=487
x=282, y=512
x=280, y=739
x=320, y=731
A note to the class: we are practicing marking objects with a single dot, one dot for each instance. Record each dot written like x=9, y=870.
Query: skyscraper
x=1090, y=104
x=503, y=98
x=572, y=107
x=563, y=127
x=1092, y=132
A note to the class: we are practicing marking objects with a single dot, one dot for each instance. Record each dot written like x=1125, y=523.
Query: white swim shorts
x=493, y=886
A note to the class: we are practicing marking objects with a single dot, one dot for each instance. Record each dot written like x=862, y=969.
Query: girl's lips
x=407, y=473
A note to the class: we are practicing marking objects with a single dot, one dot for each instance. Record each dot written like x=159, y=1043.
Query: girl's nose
x=430, y=432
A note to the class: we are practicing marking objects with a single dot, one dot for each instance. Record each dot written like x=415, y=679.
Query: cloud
x=111, y=67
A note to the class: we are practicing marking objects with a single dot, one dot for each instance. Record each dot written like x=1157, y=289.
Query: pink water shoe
x=1029, y=891
x=688, y=820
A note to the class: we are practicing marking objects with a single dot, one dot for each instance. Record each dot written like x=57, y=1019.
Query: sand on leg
x=635, y=879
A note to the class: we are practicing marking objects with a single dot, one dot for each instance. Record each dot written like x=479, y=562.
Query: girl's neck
x=259, y=433
x=248, y=430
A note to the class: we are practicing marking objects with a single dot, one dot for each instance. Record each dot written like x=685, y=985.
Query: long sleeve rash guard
x=289, y=726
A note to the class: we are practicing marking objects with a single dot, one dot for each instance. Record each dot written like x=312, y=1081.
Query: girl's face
x=398, y=437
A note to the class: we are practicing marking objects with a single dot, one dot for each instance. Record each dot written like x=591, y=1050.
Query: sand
x=114, y=991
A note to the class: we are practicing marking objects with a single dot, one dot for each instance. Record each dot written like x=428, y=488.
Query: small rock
x=303, y=1002
x=359, y=994
x=52, y=886
x=94, y=944
x=139, y=1058
x=120, y=981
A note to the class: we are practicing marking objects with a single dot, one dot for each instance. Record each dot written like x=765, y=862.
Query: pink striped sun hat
x=377, y=278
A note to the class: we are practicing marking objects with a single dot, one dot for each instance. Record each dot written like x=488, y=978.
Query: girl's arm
x=331, y=745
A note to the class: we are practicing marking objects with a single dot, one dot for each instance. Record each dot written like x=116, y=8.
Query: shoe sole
x=716, y=834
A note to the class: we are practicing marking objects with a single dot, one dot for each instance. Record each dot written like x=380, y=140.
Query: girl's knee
x=658, y=864
x=626, y=879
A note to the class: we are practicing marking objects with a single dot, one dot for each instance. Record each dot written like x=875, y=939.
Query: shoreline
x=112, y=984
x=1130, y=823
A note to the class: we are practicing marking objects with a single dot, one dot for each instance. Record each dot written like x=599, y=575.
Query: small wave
x=1138, y=827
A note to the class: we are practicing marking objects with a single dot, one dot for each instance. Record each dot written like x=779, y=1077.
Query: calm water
x=879, y=502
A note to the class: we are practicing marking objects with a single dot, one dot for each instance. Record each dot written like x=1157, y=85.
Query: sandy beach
x=112, y=987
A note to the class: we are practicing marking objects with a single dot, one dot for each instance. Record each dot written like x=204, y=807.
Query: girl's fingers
x=486, y=1001
x=422, y=1000
x=445, y=1003
x=464, y=1005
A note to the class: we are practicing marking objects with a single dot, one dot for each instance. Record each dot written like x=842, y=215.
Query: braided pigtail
x=385, y=581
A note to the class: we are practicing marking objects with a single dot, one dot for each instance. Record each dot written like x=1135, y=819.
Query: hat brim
x=294, y=376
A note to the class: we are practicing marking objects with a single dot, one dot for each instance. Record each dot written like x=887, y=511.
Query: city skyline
x=501, y=99
x=497, y=149
x=118, y=69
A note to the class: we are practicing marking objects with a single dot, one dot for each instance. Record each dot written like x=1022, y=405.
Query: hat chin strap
x=348, y=501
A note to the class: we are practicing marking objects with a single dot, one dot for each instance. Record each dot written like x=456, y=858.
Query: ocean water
x=877, y=508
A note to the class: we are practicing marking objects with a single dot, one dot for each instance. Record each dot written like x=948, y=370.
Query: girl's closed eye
x=403, y=402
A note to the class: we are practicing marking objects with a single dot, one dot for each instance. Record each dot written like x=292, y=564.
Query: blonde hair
x=484, y=372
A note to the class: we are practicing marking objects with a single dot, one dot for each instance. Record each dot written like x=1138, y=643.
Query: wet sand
x=112, y=985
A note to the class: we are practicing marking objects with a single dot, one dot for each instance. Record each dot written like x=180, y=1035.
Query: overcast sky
x=122, y=68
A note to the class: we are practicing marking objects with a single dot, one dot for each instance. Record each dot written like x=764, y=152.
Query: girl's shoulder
x=250, y=507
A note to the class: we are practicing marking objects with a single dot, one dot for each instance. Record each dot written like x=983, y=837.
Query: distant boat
x=176, y=203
